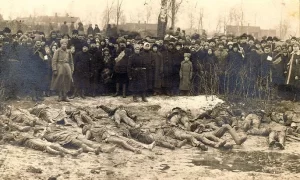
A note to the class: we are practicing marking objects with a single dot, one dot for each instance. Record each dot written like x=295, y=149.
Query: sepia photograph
x=149, y=89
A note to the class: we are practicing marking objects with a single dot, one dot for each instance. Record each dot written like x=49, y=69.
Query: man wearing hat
x=265, y=71
x=167, y=75
x=221, y=55
x=137, y=74
x=77, y=43
x=96, y=67
x=64, y=29
x=82, y=64
x=186, y=74
x=62, y=67
x=120, y=68
x=148, y=60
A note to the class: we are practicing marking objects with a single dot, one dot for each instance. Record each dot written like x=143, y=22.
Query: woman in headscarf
x=62, y=68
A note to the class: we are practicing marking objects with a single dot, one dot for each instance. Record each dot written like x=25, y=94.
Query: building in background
x=255, y=31
x=143, y=28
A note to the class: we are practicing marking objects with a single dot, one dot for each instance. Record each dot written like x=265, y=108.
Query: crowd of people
x=91, y=63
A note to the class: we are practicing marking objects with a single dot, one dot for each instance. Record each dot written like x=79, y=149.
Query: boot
x=124, y=90
x=144, y=97
x=281, y=139
x=272, y=140
x=74, y=94
x=135, y=98
x=39, y=96
x=60, y=96
x=82, y=94
x=65, y=97
x=117, y=90
x=33, y=96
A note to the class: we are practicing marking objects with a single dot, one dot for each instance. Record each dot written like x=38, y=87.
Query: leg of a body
x=221, y=131
x=124, y=144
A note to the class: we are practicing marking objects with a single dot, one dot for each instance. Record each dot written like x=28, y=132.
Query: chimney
x=139, y=22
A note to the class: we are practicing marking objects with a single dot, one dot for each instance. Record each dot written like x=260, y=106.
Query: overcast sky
x=264, y=13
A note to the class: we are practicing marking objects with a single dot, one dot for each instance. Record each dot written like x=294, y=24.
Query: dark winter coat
x=294, y=70
x=90, y=30
x=178, y=57
x=167, y=80
x=82, y=69
x=137, y=73
x=149, y=64
x=158, y=69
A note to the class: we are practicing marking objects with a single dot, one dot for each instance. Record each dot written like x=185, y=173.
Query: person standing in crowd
x=48, y=75
x=236, y=71
x=77, y=43
x=167, y=76
x=64, y=29
x=90, y=30
x=265, y=73
x=178, y=57
x=62, y=67
x=186, y=74
x=158, y=69
x=38, y=71
x=210, y=77
x=293, y=74
x=120, y=68
x=222, y=56
x=96, y=67
x=80, y=28
x=137, y=74
x=149, y=64
x=96, y=30
x=72, y=28
x=107, y=72
x=82, y=65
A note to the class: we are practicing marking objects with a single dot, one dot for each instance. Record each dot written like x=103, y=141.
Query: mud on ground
x=252, y=160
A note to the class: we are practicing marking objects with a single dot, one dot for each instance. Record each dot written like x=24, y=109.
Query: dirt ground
x=252, y=160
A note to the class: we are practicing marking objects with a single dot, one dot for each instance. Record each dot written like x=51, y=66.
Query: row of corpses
x=46, y=129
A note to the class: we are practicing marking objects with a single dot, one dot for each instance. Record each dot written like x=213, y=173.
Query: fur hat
x=154, y=45
x=269, y=38
x=84, y=44
x=294, y=38
x=250, y=37
x=121, y=40
x=243, y=36
x=6, y=30
x=235, y=45
x=62, y=41
x=230, y=43
x=187, y=54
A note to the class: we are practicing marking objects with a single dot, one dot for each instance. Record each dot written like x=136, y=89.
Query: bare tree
x=162, y=19
x=119, y=12
x=285, y=26
x=219, y=24
x=108, y=12
x=236, y=17
x=148, y=12
x=174, y=6
x=200, y=20
x=191, y=21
